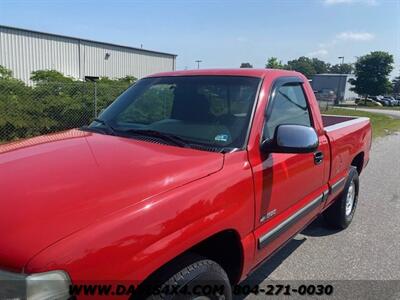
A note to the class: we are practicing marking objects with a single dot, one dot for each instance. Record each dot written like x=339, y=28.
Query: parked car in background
x=381, y=100
x=384, y=102
x=367, y=102
x=392, y=100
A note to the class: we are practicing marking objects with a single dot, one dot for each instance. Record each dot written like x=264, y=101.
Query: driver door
x=291, y=185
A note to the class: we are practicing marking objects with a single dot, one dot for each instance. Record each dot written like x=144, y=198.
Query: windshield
x=205, y=110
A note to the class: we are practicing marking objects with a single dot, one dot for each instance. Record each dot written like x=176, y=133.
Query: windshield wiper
x=168, y=137
x=110, y=129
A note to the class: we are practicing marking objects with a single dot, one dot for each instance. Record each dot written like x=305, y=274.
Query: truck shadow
x=318, y=228
x=267, y=267
x=315, y=229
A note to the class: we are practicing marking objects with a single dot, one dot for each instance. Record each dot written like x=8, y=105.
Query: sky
x=223, y=33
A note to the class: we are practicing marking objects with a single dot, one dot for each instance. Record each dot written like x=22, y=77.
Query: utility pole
x=198, y=63
x=340, y=80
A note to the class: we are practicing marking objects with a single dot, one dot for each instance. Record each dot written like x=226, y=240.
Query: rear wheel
x=340, y=214
x=191, y=277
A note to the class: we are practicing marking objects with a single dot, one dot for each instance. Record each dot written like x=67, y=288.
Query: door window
x=288, y=106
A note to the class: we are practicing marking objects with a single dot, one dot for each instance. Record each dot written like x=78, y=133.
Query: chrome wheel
x=351, y=193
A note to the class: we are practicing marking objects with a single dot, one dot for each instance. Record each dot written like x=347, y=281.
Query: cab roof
x=260, y=73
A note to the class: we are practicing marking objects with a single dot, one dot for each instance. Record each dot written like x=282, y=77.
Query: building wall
x=348, y=94
x=25, y=51
x=121, y=61
x=335, y=82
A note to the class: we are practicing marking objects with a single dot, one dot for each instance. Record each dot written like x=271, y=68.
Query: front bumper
x=52, y=285
x=12, y=285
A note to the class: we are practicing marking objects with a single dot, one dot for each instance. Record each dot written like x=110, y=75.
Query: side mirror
x=292, y=139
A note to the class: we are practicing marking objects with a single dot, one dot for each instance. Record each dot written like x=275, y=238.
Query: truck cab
x=188, y=178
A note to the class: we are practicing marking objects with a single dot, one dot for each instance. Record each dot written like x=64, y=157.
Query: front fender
x=134, y=242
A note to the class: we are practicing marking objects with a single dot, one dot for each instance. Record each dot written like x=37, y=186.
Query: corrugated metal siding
x=25, y=51
x=348, y=94
x=121, y=61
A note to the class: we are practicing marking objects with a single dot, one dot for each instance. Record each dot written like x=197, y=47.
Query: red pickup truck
x=188, y=178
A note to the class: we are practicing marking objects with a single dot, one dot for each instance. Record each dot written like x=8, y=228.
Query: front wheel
x=192, y=278
x=340, y=214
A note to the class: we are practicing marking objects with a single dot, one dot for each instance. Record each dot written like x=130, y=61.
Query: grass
x=382, y=125
x=381, y=107
x=372, y=107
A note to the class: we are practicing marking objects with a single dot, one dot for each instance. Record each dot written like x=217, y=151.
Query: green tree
x=246, y=65
x=303, y=65
x=372, y=74
x=16, y=111
x=107, y=90
x=320, y=66
x=396, y=85
x=274, y=63
x=49, y=76
x=128, y=79
x=5, y=73
x=341, y=69
x=55, y=102
x=60, y=100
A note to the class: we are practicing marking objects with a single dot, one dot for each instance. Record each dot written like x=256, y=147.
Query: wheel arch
x=224, y=247
x=358, y=162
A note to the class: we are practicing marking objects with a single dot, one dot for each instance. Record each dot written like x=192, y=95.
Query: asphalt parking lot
x=368, y=250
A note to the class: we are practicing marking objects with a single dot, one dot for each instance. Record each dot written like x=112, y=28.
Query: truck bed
x=348, y=137
x=336, y=121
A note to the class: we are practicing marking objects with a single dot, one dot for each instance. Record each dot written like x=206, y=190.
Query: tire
x=189, y=272
x=339, y=215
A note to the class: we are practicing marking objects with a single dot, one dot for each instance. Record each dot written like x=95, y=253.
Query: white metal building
x=24, y=51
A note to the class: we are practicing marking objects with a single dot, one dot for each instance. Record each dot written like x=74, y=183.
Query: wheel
x=340, y=214
x=190, y=277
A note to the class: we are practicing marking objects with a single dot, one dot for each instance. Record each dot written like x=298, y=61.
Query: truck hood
x=52, y=186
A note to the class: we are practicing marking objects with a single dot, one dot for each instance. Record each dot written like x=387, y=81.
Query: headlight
x=49, y=285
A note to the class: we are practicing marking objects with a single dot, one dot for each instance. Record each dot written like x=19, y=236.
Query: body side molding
x=274, y=233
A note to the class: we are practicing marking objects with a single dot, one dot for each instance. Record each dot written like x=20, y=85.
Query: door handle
x=318, y=157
